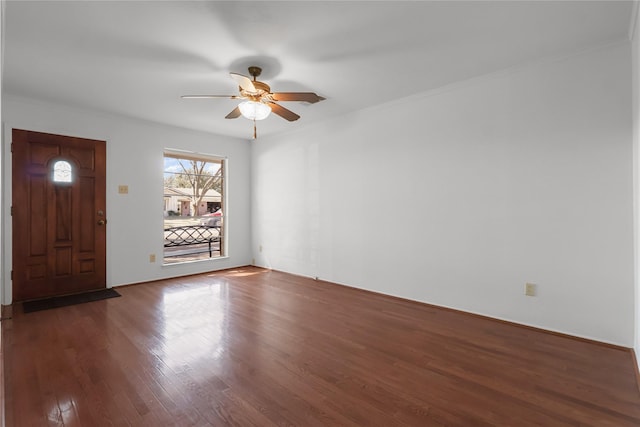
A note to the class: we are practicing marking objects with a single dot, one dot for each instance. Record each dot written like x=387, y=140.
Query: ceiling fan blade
x=234, y=114
x=244, y=82
x=309, y=97
x=283, y=112
x=209, y=96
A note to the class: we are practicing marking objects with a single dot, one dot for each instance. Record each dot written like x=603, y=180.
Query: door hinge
x=11, y=210
x=11, y=274
x=12, y=147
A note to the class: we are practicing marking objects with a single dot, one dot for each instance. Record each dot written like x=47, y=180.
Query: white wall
x=2, y=202
x=459, y=196
x=635, y=67
x=135, y=158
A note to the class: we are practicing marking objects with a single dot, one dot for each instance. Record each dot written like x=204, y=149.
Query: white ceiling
x=136, y=58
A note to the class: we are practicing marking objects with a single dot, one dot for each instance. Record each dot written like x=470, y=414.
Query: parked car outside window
x=213, y=219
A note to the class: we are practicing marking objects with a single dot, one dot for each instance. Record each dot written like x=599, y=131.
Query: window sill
x=195, y=261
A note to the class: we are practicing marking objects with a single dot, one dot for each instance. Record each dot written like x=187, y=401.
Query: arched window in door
x=62, y=171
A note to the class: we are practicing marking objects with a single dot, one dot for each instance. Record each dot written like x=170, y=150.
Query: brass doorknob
x=102, y=222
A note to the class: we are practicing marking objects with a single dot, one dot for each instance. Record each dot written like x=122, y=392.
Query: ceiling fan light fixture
x=253, y=110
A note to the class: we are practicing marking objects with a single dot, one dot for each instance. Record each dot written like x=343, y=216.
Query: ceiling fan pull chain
x=255, y=132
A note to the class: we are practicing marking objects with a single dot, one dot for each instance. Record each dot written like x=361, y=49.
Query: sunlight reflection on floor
x=240, y=273
x=195, y=325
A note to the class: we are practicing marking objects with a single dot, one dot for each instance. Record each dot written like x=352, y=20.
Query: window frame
x=224, y=237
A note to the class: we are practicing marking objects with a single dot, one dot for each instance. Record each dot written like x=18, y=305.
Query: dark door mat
x=55, y=302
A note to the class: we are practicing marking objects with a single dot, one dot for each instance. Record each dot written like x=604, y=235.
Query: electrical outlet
x=123, y=189
x=260, y=248
x=530, y=289
x=152, y=258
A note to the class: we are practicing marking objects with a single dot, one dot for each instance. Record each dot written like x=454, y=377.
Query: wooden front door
x=58, y=214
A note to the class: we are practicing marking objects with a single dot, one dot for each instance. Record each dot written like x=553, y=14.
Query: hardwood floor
x=251, y=347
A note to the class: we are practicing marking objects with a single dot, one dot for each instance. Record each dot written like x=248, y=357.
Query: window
x=194, y=224
x=62, y=172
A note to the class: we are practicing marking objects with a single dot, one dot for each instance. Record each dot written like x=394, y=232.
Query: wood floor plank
x=252, y=347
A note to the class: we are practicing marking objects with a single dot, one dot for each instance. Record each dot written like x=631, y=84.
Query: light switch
x=530, y=289
x=123, y=189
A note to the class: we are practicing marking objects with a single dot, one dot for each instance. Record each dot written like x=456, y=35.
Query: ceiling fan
x=259, y=101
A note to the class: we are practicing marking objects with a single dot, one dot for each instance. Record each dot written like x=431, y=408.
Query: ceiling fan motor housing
x=255, y=71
